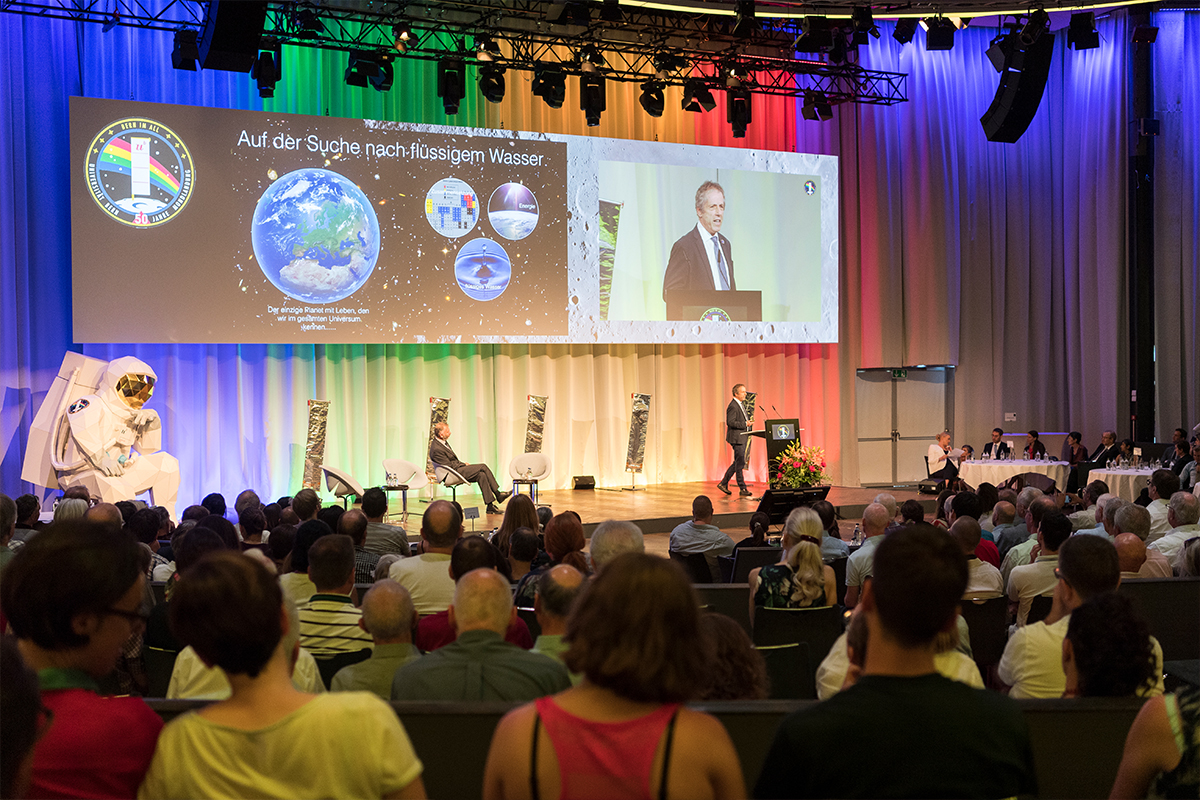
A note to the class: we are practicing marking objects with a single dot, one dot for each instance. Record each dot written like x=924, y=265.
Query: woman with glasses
x=73, y=597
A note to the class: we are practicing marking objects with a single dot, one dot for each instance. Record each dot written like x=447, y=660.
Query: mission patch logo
x=139, y=172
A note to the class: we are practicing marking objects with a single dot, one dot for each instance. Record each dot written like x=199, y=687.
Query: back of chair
x=791, y=672
x=839, y=577
x=340, y=482
x=447, y=476
x=159, y=666
x=746, y=559
x=729, y=599
x=530, y=465
x=695, y=565
x=1039, y=608
x=988, y=622
x=531, y=621
x=398, y=472
x=820, y=627
x=329, y=667
x=1171, y=606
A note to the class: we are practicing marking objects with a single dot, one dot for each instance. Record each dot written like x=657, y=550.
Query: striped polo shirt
x=329, y=626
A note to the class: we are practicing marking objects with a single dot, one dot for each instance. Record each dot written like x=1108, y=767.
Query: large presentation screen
x=210, y=225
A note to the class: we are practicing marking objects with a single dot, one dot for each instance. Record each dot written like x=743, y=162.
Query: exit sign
x=899, y=373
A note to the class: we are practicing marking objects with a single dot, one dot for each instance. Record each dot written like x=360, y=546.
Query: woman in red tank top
x=622, y=733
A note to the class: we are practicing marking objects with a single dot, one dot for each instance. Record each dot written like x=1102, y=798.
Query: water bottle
x=857, y=538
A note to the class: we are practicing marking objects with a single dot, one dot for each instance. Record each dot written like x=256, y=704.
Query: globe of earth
x=315, y=235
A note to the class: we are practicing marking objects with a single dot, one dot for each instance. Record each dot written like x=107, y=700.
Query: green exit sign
x=899, y=373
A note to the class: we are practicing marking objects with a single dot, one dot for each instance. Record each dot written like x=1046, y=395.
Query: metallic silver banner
x=535, y=423
x=314, y=451
x=749, y=406
x=439, y=411
x=638, y=422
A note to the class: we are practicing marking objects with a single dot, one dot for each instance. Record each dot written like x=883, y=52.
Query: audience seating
x=730, y=599
x=987, y=620
x=1039, y=608
x=1172, y=608
x=531, y=621
x=330, y=666
x=820, y=626
x=1077, y=743
x=695, y=565
x=159, y=589
x=839, y=577
x=159, y=666
x=746, y=559
x=792, y=670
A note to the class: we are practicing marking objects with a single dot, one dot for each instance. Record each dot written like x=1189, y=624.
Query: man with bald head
x=1183, y=515
x=1131, y=554
x=983, y=579
x=388, y=615
x=613, y=537
x=427, y=576
x=859, y=566
x=479, y=664
x=354, y=524
x=105, y=513
x=557, y=589
x=1132, y=518
x=1020, y=531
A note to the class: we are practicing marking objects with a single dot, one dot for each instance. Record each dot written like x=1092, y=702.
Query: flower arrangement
x=799, y=466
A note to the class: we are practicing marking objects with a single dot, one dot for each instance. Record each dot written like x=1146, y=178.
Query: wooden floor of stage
x=659, y=508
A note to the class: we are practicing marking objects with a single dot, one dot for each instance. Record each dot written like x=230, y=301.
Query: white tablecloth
x=997, y=472
x=1126, y=484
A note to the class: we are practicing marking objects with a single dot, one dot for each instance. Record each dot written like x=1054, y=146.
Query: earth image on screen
x=513, y=211
x=315, y=235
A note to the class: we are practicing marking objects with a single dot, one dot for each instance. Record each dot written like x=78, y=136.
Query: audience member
x=612, y=538
x=927, y=736
x=70, y=508
x=427, y=576
x=329, y=620
x=983, y=579
x=1160, y=749
x=912, y=511
x=127, y=509
x=832, y=544
x=280, y=544
x=519, y=513
x=354, y=524
x=760, y=525
x=306, y=504
x=224, y=529
x=271, y=512
x=966, y=505
x=1189, y=476
x=73, y=597
x=24, y=721
x=470, y=553
x=1163, y=484
x=1107, y=652
x=941, y=514
x=330, y=516
x=557, y=589
x=194, y=513
x=736, y=670
x=1183, y=515
x=247, y=498
x=289, y=517
x=1086, y=518
x=252, y=522
x=545, y=514
x=699, y=535
x=522, y=550
x=1023, y=552
x=800, y=579
x=1189, y=560
x=1019, y=531
x=29, y=510
x=1030, y=580
x=988, y=497
x=388, y=615
x=144, y=527
x=105, y=514
x=296, y=583
x=1131, y=554
x=215, y=503
x=1132, y=518
x=8, y=526
x=888, y=501
x=1177, y=455
x=859, y=566
x=479, y=664
x=1032, y=660
x=564, y=545
x=635, y=636
x=268, y=739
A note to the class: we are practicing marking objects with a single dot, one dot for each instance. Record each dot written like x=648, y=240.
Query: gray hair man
x=612, y=538
x=557, y=589
x=388, y=615
x=1183, y=514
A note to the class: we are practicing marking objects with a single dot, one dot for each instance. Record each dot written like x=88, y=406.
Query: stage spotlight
x=403, y=37
x=837, y=53
x=697, y=96
x=266, y=72
x=590, y=58
x=451, y=83
x=308, y=25
x=1039, y=22
x=1145, y=34
x=905, y=30
x=360, y=68
x=816, y=36
x=939, y=33
x=611, y=11
x=653, y=99
x=568, y=13
x=381, y=79
x=1081, y=34
x=491, y=83
x=864, y=25
x=816, y=108
x=487, y=50
x=746, y=23
x=738, y=110
x=550, y=84
x=186, y=52
x=664, y=65
x=591, y=97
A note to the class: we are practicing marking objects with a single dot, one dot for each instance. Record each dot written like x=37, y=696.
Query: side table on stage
x=1126, y=484
x=974, y=473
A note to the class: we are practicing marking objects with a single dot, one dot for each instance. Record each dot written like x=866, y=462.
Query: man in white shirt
x=1183, y=515
x=1163, y=484
x=1028, y=581
x=427, y=576
x=861, y=563
x=1091, y=498
x=983, y=580
x=1132, y=518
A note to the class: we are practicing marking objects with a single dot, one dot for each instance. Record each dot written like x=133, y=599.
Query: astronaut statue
x=114, y=446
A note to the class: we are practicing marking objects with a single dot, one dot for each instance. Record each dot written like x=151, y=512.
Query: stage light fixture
x=487, y=50
x=186, y=52
x=359, y=68
x=745, y=20
x=653, y=99
x=837, y=53
x=864, y=25
x=664, y=65
x=817, y=108
x=611, y=11
x=1145, y=34
x=266, y=72
x=736, y=75
x=590, y=58
x=939, y=33
x=381, y=79
x=1038, y=23
x=571, y=12
x=905, y=30
x=308, y=25
x=550, y=84
x=697, y=96
x=1081, y=33
x=402, y=36
x=451, y=83
x=491, y=84
x=591, y=97
x=816, y=36
x=738, y=110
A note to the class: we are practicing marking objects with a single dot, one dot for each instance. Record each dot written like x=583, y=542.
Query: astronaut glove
x=111, y=467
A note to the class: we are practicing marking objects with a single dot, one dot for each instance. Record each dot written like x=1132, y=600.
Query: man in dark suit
x=1107, y=450
x=996, y=448
x=736, y=422
x=442, y=454
x=702, y=258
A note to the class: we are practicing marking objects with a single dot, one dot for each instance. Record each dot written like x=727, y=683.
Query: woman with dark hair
x=833, y=546
x=519, y=513
x=1076, y=452
x=223, y=527
x=564, y=545
x=1034, y=447
x=272, y=511
x=760, y=524
x=911, y=511
x=73, y=597
x=942, y=512
x=736, y=670
x=1107, y=651
x=623, y=732
x=295, y=580
x=269, y=739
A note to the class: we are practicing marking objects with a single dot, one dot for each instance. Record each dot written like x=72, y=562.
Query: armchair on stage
x=93, y=431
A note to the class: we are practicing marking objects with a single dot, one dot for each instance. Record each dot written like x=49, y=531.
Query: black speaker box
x=778, y=503
x=231, y=34
x=584, y=481
x=930, y=486
x=1022, y=83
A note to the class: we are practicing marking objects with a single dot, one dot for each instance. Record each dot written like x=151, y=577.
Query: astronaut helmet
x=130, y=381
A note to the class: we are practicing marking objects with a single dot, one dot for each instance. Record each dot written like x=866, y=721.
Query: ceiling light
x=939, y=33
x=308, y=25
x=864, y=25
x=266, y=72
x=1081, y=34
x=1002, y=49
x=1145, y=34
x=591, y=97
x=611, y=11
x=666, y=64
x=905, y=30
x=653, y=99
x=550, y=84
x=816, y=108
x=381, y=81
x=746, y=23
x=487, y=50
x=1038, y=22
x=402, y=36
x=491, y=84
x=816, y=36
x=738, y=110
x=697, y=96
x=590, y=58
x=451, y=83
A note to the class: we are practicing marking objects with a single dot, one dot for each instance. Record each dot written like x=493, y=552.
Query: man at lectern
x=441, y=453
x=736, y=424
x=702, y=258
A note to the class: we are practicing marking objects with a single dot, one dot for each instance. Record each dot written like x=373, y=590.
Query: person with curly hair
x=736, y=670
x=1107, y=651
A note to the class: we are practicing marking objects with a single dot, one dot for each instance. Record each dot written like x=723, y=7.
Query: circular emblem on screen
x=715, y=315
x=139, y=172
x=513, y=211
x=482, y=269
x=452, y=207
x=809, y=187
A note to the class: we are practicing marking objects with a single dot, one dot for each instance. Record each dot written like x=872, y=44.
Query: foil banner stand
x=535, y=423
x=314, y=450
x=638, y=423
x=749, y=406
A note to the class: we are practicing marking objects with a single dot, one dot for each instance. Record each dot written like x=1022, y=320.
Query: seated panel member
x=1034, y=447
x=996, y=448
x=941, y=464
x=442, y=454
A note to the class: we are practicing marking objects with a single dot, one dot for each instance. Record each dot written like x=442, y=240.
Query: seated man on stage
x=996, y=448
x=440, y=453
x=942, y=465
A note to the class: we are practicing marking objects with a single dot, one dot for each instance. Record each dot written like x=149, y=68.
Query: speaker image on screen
x=231, y=34
x=1022, y=82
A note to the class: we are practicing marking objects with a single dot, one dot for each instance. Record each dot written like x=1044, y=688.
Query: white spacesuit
x=115, y=445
